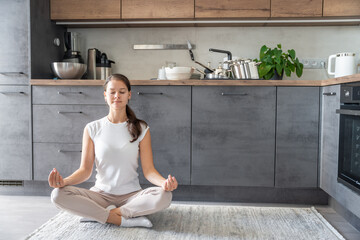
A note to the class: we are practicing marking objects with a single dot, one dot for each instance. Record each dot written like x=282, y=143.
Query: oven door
x=349, y=146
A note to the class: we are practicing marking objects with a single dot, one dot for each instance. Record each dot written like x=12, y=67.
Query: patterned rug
x=182, y=221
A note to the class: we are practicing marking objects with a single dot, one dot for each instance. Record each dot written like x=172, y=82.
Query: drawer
x=64, y=123
x=65, y=158
x=68, y=95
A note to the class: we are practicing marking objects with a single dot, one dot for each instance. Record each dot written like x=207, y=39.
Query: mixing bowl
x=178, y=73
x=68, y=70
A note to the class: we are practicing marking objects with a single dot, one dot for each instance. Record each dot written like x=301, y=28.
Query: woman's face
x=117, y=94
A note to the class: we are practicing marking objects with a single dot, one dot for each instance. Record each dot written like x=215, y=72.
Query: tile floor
x=21, y=215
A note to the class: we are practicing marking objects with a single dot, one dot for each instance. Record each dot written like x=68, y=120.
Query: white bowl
x=68, y=70
x=178, y=73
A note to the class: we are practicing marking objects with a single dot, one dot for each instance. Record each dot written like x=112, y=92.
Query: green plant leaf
x=279, y=69
x=279, y=45
x=263, y=50
x=299, y=69
x=292, y=53
x=264, y=69
x=269, y=75
x=287, y=72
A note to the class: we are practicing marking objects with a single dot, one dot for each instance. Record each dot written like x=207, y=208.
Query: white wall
x=245, y=42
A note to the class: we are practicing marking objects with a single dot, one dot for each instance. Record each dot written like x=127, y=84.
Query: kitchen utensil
x=103, y=69
x=94, y=56
x=178, y=73
x=247, y=69
x=192, y=58
x=253, y=67
x=72, y=48
x=344, y=64
x=68, y=70
x=222, y=51
x=235, y=70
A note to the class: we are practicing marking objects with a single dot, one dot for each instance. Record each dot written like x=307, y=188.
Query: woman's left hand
x=170, y=184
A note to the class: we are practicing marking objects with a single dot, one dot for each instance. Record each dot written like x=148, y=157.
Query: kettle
x=344, y=64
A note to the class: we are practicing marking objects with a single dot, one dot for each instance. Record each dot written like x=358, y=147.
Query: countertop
x=196, y=82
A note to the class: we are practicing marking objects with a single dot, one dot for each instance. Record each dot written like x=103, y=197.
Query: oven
x=349, y=136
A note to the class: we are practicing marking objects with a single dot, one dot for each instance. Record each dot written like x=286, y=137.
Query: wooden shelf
x=194, y=82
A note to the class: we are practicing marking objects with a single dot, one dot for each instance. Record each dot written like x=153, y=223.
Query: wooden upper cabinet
x=84, y=9
x=157, y=9
x=296, y=8
x=341, y=8
x=232, y=9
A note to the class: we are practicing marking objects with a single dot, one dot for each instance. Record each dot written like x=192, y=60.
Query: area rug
x=182, y=221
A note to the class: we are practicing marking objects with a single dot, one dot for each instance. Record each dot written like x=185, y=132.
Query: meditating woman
x=114, y=143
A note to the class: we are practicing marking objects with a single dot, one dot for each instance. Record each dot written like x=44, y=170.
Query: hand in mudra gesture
x=55, y=179
x=170, y=184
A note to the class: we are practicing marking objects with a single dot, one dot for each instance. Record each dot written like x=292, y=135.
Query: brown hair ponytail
x=133, y=125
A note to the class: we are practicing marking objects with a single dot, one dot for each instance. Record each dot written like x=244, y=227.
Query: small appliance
x=344, y=64
x=72, y=48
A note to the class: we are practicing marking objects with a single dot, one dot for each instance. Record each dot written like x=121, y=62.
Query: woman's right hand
x=55, y=179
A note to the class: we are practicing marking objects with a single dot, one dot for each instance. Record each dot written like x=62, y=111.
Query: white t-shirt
x=116, y=159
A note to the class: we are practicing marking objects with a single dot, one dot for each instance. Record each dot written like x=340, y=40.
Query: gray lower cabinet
x=167, y=111
x=233, y=136
x=59, y=118
x=62, y=156
x=297, y=137
x=330, y=139
x=15, y=141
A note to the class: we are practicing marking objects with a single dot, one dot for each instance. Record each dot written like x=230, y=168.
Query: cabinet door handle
x=12, y=73
x=12, y=92
x=348, y=112
x=70, y=92
x=234, y=94
x=65, y=151
x=62, y=112
x=329, y=93
x=148, y=93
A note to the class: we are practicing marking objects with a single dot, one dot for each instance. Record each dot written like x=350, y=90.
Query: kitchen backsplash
x=244, y=42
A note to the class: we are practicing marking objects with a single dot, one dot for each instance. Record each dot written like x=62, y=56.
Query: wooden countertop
x=195, y=82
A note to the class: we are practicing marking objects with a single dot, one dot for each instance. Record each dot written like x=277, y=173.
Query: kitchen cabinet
x=60, y=114
x=330, y=122
x=85, y=9
x=232, y=9
x=297, y=137
x=167, y=110
x=233, y=136
x=341, y=8
x=157, y=9
x=14, y=47
x=15, y=141
x=296, y=8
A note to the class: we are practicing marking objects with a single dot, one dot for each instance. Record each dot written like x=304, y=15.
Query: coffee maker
x=99, y=66
x=72, y=48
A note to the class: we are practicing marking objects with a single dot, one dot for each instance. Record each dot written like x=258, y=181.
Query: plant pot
x=277, y=77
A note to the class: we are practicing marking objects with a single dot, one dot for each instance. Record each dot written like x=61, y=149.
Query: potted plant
x=274, y=62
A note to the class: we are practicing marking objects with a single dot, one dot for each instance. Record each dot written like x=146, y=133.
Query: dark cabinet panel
x=297, y=137
x=167, y=110
x=233, y=140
